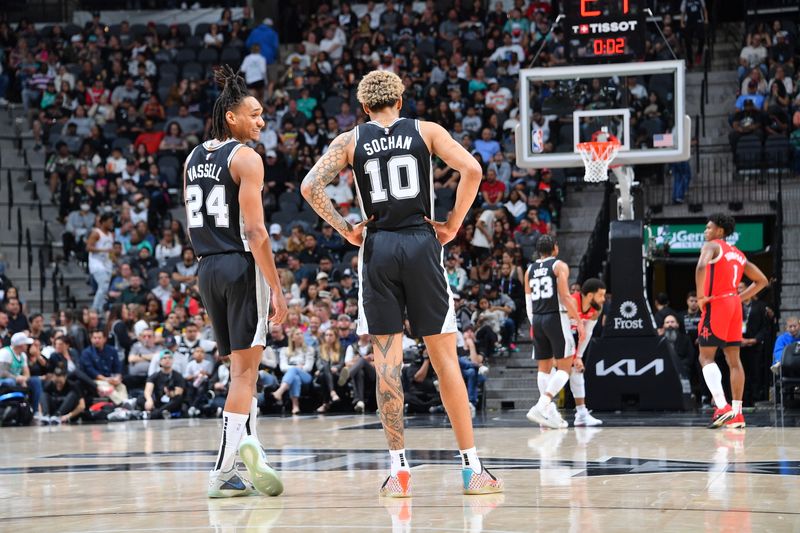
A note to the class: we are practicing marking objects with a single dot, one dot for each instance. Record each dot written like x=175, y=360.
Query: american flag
x=662, y=140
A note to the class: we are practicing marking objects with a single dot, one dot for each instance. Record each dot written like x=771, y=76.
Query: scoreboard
x=604, y=31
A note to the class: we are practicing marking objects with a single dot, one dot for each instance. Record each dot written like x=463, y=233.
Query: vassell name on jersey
x=203, y=170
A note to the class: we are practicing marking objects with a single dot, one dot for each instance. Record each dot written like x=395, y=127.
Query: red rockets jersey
x=725, y=271
x=591, y=314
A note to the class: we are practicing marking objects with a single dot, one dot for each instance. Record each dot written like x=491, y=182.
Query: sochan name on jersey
x=605, y=27
x=388, y=143
x=204, y=170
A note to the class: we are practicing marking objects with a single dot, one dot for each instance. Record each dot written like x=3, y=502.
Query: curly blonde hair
x=380, y=89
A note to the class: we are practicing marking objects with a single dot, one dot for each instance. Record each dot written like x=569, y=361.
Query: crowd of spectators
x=768, y=104
x=117, y=107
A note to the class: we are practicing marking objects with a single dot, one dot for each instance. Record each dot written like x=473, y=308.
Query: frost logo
x=628, y=310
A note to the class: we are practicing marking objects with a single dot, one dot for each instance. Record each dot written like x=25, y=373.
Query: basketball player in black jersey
x=401, y=269
x=222, y=180
x=550, y=308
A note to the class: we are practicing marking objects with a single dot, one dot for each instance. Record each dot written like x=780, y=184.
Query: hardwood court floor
x=152, y=475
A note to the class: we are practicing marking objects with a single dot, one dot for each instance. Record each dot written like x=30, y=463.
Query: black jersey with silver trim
x=544, y=287
x=213, y=218
x=392, y=167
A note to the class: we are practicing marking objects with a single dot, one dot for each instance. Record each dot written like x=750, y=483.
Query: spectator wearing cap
x=344, y=326
x=331, y=242
x=275, y=174
x=267, y=38
x=498, y=98
x=14, y=370
x=277, y=240
x=456, y=276
x=347, y=285
x=163, y=392
x=62, y=401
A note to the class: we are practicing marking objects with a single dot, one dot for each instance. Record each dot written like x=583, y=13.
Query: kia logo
x=627, y=367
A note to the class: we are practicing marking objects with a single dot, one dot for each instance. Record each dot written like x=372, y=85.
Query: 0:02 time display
x=602, y=47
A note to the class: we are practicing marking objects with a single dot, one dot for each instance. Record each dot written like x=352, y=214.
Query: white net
x=596, y=158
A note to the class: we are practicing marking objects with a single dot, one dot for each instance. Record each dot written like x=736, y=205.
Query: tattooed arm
x=321, y=174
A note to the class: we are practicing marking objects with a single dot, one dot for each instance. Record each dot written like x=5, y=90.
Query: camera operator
x=419, y=382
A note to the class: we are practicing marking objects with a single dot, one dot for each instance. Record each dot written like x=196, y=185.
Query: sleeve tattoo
x=323, y=173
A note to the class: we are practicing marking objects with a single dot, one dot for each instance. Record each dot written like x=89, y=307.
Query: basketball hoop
x=597, y=155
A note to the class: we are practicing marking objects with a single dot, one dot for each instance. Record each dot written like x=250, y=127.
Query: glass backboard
x=642, y=104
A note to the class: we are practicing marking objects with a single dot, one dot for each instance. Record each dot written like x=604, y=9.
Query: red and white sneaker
x=483, y=483
x=398, y=486
x=735, y=422
x=721, y=416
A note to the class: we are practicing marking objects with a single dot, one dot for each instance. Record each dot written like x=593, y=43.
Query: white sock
x=737, y=406
x=233, y=427
x=557, y=383
x=252, y=419
x=542, y=379
x=399, y=461
x=469, y=459
x=581, y=409
x=713, y=378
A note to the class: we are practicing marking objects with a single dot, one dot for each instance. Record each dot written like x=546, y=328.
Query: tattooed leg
x=389, y=388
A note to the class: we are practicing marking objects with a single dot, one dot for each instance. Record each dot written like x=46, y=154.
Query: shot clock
x=604, y=31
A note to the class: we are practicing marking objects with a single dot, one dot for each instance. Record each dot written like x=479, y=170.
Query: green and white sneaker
x=229, y=484
x=264, y=477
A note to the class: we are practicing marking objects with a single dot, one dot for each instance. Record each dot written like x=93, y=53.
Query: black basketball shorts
x=552, y=336
x=402, y=275
x=236, y=297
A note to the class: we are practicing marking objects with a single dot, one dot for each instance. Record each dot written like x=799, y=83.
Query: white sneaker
x=264, y=477
x=472, y=410
x=193, y=411
x=552, y=412
x=359, y=407
x=539, y=416
x=586, y=419
x=483, y=370
x=228, y=484
x=55, y=420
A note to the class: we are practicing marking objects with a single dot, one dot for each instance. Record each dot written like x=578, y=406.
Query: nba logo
x=537, y=142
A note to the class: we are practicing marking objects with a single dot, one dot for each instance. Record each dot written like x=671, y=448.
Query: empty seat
x=332, y=105
x=201, y=29
x=123, y=143
x=192, y=70
x=208, y=56
x=231, y=56
x=185, y=55
x=290, y=198
x=194, y=42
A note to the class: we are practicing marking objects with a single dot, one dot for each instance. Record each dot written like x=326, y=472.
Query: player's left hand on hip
x=279, y=309
x=356, y=235
x=444, y=233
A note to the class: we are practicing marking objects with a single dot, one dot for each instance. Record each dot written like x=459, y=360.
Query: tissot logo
x=605, y=27
x=627, y=367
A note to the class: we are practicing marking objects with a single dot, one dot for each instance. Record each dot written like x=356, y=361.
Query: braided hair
x=234, y=90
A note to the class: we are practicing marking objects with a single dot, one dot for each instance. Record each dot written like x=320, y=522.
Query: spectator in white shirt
x=753, y=55
x=213, y=37
x=331, y=45
x=254, y=68
x=508, y=48
x=498, y=98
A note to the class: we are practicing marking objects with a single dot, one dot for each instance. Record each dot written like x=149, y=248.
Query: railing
x=776, y=289
x=591, y=264
x=719, y=180
x=10, y=197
